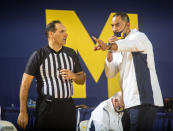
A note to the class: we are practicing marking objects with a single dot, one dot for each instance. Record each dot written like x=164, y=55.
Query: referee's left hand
x=67, y=74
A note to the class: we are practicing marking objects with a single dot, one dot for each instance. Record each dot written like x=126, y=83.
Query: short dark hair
x=51, y=27
x=123, y=16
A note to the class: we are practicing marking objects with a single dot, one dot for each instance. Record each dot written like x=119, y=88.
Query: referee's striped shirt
x=45, y=63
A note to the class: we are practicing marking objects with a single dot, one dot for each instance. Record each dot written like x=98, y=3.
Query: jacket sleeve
x=100, y=120
x=135, y=43
x=112, y=68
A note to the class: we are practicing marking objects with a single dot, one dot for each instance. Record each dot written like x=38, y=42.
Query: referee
x=54, y=67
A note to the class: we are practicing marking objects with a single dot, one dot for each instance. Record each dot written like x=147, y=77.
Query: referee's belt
x=50, y=99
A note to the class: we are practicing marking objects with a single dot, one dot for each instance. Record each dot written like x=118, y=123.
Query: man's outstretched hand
x=100, y=44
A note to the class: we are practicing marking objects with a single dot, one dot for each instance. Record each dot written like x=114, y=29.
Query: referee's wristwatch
x=109, y=46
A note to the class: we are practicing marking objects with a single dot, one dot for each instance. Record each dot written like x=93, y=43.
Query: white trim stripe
x=59, y=81
x=52, y=75
x=44, y=81
x=65, y=87
x=68, y=67
x=48, y=78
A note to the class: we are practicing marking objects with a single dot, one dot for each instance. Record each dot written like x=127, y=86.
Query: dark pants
x=139, y=118
x=55, y=115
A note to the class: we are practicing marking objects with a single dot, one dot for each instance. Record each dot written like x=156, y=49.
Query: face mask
x=120, y=35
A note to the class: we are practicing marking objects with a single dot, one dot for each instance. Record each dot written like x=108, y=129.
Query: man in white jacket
x=106, y=116
x=132, y=56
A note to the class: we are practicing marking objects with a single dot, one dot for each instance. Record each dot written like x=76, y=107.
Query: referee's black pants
x=139, y=118
x=55, y=115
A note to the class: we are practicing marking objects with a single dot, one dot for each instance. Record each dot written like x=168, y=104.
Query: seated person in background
x=107, y=115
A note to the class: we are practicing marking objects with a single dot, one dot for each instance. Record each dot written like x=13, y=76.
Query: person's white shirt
x=134, y=60
x=104, y=118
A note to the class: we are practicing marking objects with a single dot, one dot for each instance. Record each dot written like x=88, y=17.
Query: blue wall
x=22, y=26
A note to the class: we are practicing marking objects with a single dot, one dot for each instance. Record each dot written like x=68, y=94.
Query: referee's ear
x=50, y=35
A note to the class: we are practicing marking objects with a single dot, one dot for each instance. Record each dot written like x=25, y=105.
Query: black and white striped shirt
x=44, y=64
